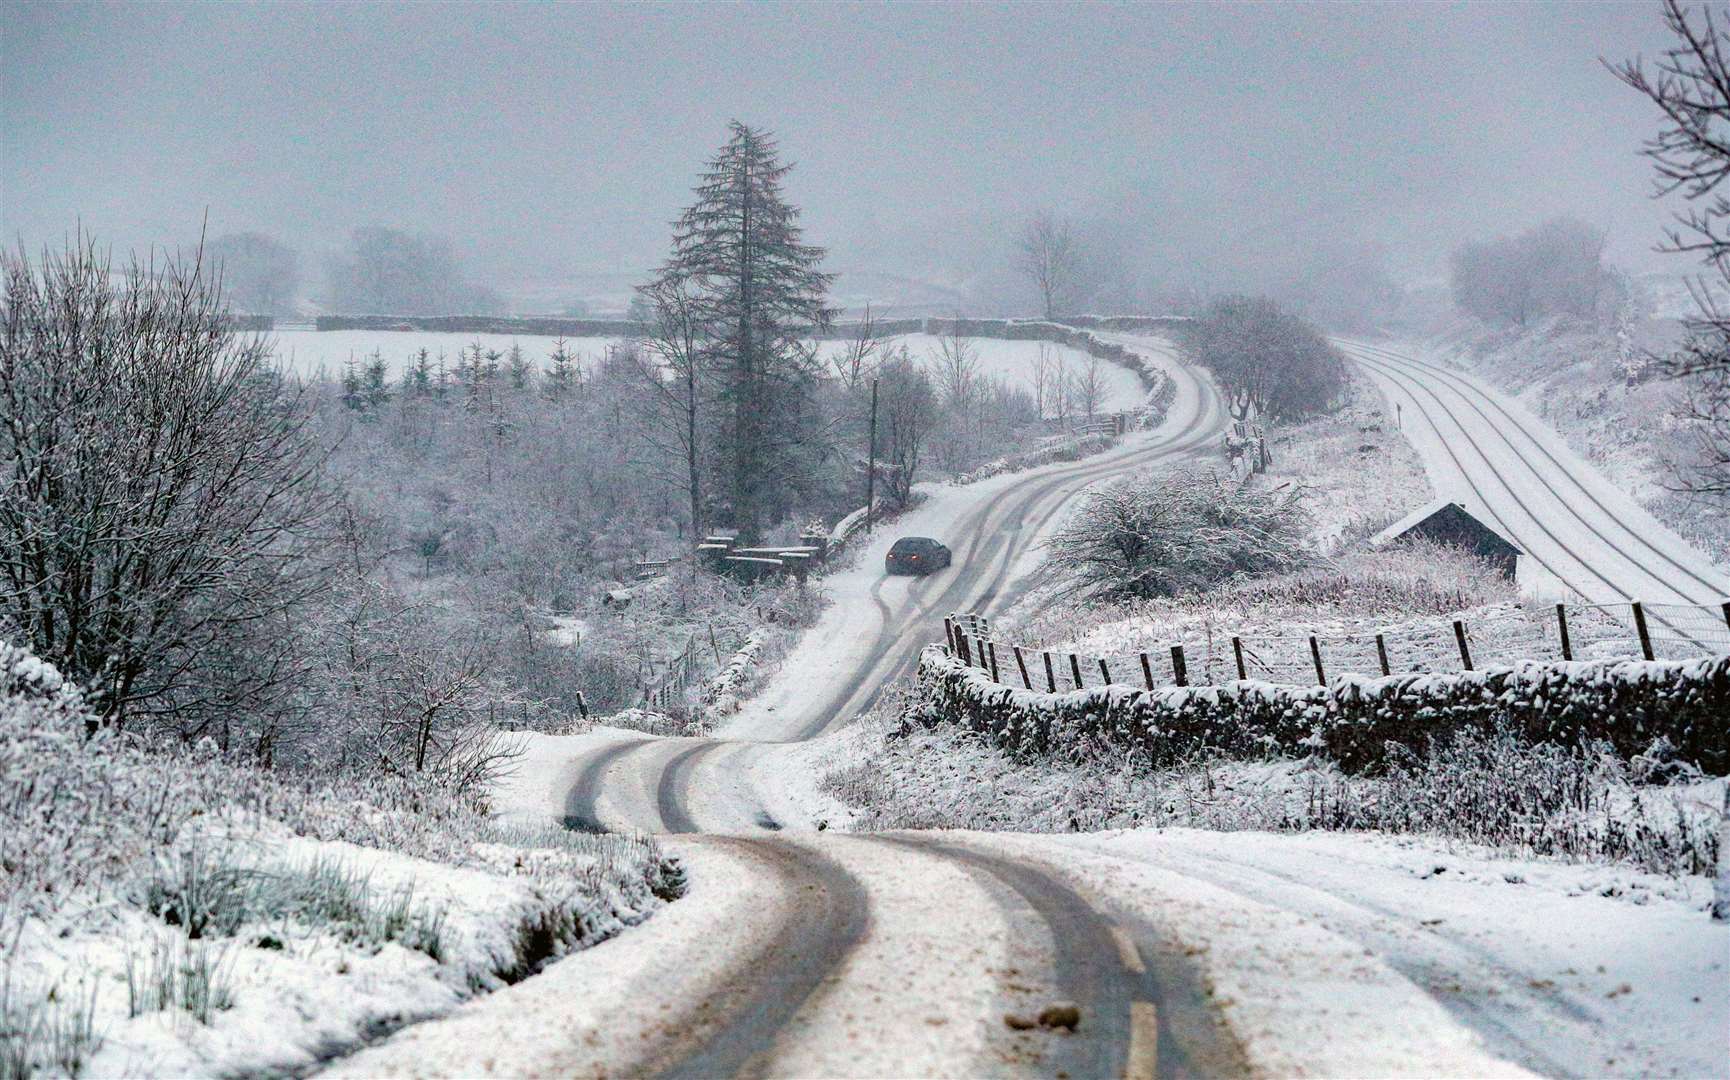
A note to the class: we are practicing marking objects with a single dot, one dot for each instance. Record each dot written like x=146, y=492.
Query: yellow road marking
x=1143, y=1063
x=1127, y=950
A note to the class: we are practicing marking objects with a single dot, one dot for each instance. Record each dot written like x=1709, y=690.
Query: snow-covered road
x=806, y=953
x=871, y=634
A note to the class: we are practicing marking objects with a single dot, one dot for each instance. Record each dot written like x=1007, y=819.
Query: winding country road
x=876, y=628
x=1134, y=1022
x=799, y=952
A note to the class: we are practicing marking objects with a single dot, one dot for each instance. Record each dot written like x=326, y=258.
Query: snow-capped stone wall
x=1630, y=704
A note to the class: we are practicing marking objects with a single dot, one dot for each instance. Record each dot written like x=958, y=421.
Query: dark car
x=916, y=555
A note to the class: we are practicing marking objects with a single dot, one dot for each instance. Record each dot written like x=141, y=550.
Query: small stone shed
x=1445, y=522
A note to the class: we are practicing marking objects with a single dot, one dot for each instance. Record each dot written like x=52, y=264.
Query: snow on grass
x=1359, y=471
x=174, y=913
x=1012, y=363
x=1374, y=952
x=327, y=352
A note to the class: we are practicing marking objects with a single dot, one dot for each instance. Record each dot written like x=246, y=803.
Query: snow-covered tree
x=1554, y=269
x=162, y=515
x=908, y=407
x=559, y=380
x=757, y=290
x=678, y=374
x=1156, y=534
x=517, y=366
x=1269, y=362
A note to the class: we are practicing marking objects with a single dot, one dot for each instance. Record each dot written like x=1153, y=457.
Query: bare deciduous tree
x=1040, y=368
x=909, y=409
x=162, y=509
x=1690, y=85
x=1554, y=269
x=1090, y=385
x=1269, y=362
x=860, y=357
x=1051, y=258
x=677, y=375
x=259, y=274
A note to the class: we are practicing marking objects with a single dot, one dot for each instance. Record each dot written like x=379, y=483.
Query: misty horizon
x=552, y=145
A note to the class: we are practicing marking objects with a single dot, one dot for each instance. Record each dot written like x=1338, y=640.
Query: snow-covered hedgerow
x=1068, y=450
x=1629, y=705
x=174, y=912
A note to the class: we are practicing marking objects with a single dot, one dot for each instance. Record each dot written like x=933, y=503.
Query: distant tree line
x=381, y=271
x=1270, y=363
x=1554, y=269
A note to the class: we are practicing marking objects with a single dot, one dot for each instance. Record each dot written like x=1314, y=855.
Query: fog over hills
x=552, y=144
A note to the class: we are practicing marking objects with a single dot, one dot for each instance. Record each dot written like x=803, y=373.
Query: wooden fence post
x=1316, y=655
x=1237, y=648
x=991, y=650
x=949, y=635
x=1050, y=676
x=1645, y=634
x=1104, y=672
x=1562, y=625
x=1075, y=669
x=1022, y=664
x=961, y=647
x=1179, y=671
x=1460, y=636
x=1146, y=671
x=1382, y=655
x=1727, y=618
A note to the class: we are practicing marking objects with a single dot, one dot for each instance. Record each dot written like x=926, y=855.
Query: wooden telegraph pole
x=871, y=460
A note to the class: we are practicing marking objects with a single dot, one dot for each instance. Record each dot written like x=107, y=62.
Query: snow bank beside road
x=1562, y=969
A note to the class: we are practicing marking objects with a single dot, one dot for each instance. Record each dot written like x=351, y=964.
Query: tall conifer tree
x=758, y=290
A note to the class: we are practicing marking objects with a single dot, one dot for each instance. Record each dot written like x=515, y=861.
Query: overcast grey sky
x=551, y=140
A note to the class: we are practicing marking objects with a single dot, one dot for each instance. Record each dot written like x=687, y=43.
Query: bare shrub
x=162, y=509
x=1158, y=534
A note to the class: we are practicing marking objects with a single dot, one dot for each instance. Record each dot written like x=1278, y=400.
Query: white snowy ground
x=1579, y=532
x=1356, y=955
x=1328, y=955
x=1012, y=362
x=309, y=352
x=288, y=991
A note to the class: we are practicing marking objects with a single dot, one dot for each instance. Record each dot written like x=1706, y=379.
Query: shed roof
x=1430, y=510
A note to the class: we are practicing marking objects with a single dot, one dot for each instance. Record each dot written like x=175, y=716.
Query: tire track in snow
x=1130, y=1026
x=826, y=927
x=582, y=801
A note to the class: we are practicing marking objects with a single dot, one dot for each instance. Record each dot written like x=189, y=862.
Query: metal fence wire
x=1558, y=632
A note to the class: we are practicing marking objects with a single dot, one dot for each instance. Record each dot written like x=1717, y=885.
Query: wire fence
x=668, y=682
x=1561, y=632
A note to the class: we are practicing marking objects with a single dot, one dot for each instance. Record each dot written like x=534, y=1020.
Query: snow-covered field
x=1012, y=363
x=312, y=352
